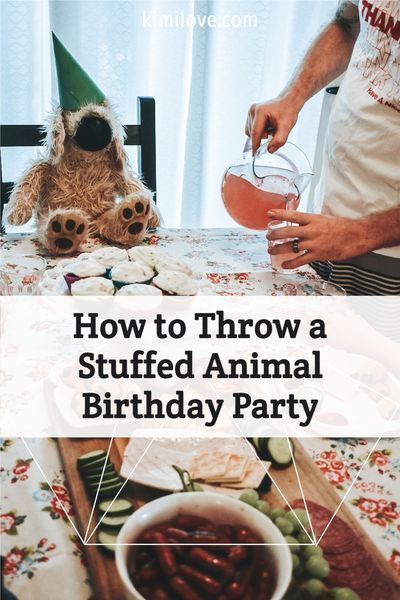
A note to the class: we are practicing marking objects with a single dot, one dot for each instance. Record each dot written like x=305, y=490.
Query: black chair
x=143, y=135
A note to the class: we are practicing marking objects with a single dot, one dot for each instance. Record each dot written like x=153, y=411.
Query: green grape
x=308, y=551
x=317, y=566
x=284, y=525
x=277, y=512
x=250, y=497
x=301, y=515
x=344, y=594
x=303, y=538
x=314, y=588
x=295, y=562
x=293, y=543
x=263, y=506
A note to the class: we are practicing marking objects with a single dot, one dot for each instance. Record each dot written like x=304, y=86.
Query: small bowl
x=216, y=507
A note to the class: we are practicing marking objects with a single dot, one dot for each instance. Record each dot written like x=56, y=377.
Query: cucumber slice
x=105, y=484
x=91, y=466
x=263, y=448
x=98, y=471
x=265, y=485
x=107, y=491
x=97, y=477
x=278, y=452
x=106, y=538
x=121, y=506
x=114, y=522
x=94, y=484
x=90, y=457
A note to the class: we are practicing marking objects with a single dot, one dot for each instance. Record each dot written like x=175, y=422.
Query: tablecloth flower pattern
x=38, y=540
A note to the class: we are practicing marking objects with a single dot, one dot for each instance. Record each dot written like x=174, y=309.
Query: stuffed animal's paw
x=133, y=216
x=65, y=231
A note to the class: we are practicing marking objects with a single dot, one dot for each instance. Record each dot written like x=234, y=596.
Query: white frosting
x=169, y=263
x=84, y=268
x=176, y=282
x=62, y=264
x=132, y=272
x=50, y=287
x=85, y=256
x=139, y=289
x=52, y=274
x=147, y=255
x=110, y=255
x=93, y=286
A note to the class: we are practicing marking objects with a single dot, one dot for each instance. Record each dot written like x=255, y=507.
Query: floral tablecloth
x=232, y=261
x=42, y=554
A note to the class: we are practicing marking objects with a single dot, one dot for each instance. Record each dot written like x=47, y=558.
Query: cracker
x=235, y=470
x=209, y=464
x=253, y=477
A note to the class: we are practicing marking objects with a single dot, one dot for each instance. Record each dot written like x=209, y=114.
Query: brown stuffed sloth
x=75, y=192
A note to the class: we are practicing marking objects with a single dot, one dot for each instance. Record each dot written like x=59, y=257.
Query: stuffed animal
x=82, y=185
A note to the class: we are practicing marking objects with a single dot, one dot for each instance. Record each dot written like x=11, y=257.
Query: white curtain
x=203, y=78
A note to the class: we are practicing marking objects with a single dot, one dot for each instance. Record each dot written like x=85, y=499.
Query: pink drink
x=278, y=259
x=248, y=205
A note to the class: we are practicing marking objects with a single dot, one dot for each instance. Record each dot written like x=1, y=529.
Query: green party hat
x=75, y=87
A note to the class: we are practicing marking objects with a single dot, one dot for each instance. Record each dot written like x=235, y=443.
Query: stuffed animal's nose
x=93, y=133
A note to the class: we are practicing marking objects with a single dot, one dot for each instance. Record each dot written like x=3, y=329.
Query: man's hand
x=279, y=115
x=321, y=237
x=327, y=58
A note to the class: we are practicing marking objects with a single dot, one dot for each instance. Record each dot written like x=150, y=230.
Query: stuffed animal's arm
x=127, y=185
x=26, y=193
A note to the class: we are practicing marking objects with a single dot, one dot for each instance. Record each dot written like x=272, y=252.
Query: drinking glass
x=20, y=275
x=278, y=259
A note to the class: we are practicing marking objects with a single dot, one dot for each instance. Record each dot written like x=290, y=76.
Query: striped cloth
x=367, y=275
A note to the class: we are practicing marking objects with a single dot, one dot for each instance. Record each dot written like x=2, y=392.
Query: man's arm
x=335, y=238
x=326, y=59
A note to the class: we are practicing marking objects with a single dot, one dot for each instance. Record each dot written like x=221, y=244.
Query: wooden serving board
x=102, y=569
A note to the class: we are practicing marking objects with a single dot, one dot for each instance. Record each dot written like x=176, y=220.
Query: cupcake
x=85, y=256
x=109, y=256
x=50, y=286
x=62, y=264
x=168, y=263
x=146, y=255
x=92, y=286
x=53, y=273
x=131, y=272
x=175, y=283
x=80, y=269
x=139, y=289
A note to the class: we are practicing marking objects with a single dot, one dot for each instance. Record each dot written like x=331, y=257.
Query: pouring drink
x=254, y=185
x=248, y=205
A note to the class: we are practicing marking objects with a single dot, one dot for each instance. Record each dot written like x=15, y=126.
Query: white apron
x=361, y=167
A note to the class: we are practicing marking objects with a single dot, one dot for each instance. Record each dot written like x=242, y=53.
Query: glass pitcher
x=252, y=186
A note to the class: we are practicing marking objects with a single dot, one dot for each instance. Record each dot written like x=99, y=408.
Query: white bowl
x=217, y=508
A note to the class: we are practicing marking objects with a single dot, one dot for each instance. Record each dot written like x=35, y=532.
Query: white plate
x=155, y=470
